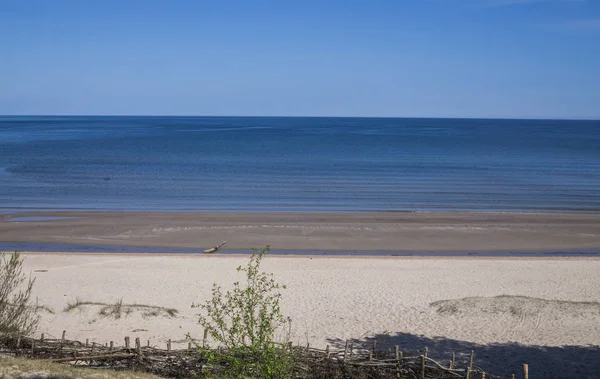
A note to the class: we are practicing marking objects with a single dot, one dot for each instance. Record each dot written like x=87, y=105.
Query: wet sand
x=378, y=231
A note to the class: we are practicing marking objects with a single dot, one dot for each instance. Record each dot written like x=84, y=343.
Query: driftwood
x=214, y=249
x=309, y=363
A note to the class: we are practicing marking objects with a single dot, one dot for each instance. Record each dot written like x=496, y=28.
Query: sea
x=282, y=164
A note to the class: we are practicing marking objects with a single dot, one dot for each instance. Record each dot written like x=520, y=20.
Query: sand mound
x=517, y=306
x=118, y=309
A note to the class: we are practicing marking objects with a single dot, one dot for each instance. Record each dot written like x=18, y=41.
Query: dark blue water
x=298, y=164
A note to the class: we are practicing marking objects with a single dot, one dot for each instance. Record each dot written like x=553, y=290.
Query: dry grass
x=517, y=306
x=118, y=309
x=31, y=368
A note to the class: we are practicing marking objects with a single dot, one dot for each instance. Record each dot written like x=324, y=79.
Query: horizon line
x=271, y=116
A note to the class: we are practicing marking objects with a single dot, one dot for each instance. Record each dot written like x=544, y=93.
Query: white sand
x=334, y=299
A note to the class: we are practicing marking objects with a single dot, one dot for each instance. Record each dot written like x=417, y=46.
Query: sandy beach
x=379, y=231
x=545, y=312
x=541, y=311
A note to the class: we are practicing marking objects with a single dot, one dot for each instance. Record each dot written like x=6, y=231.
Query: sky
x=375, y=58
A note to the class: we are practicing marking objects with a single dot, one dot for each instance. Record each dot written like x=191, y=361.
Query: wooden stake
x=138, y=346
x=148, y=343
x=374, y=346
x=370, y=355
x=93, y=346
x=111, y=346
x=525, y=371
x=204, y=338
x=422, y=366
x=345, y=350
x=426, y=351
x=351, y=350
x=453, y=361
x=18, y=340
x=327, y=351
x=189, y=347
x=126, y=342
x=468, y=376
x=471, y=360
x=398, y=359
x=62, y=341
x=87, y=342
x=483, y=375
x=169, y=345
x=42, y=338
x=32, y=347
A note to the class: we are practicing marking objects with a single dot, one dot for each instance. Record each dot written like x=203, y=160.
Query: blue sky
x=406, y=58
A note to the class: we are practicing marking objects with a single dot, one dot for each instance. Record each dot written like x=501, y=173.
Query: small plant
x=17, y=315
x=243, y=321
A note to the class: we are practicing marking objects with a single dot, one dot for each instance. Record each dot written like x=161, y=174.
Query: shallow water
x=82, y=248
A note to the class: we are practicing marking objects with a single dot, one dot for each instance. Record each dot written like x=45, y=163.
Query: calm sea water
x=298, y=164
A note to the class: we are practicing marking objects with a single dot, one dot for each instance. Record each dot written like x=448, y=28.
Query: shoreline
x=393, y=232
x=318, y=256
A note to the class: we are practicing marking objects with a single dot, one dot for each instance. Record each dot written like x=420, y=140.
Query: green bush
x=17, y=315
x=244, y=321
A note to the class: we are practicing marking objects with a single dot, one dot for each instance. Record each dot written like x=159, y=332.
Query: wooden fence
x=349, y=362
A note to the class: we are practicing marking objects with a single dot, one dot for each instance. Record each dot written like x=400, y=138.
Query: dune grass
x=35, y=368
x=117, y=309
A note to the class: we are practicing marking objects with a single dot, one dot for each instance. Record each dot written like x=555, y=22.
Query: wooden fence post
x=426, y=351
x=345, y=350
x=169, y=345
x=126, y=342
x=471, y=360
x=138, y=346
x=87, y=342
x=42, y=338
x=327, y=351
x=398, y=359
x=525, y=371
x=62, y=340
x=422, y=366
x=111, y=346
x=453, y=361
x=205, y=338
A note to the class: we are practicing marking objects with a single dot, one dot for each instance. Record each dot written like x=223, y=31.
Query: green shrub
x=244, y=321
x=17, y=315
